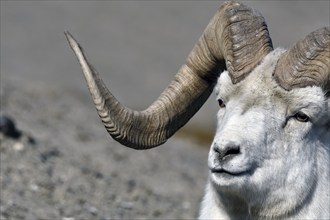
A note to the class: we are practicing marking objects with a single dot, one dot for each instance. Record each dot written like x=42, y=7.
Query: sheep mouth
x=221, y=171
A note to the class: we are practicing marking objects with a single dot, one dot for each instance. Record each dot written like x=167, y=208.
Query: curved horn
x=236, y=37
x=307, y=63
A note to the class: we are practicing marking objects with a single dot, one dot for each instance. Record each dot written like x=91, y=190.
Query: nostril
x=233, y=151
x=228, y=151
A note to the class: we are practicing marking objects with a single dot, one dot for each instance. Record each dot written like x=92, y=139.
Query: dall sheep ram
x=270, y=155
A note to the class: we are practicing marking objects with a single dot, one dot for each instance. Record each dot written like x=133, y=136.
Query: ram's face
x=264, y=135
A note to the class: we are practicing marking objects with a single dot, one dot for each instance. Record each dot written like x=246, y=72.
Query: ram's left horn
x=236, y=39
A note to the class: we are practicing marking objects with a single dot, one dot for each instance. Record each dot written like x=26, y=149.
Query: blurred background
x=63, y=165
x=136, y=46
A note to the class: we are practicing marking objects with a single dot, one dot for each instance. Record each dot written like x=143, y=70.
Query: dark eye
x=221, y=103
x=302, y=117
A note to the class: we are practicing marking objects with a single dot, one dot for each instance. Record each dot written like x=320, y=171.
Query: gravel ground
x=64, y=165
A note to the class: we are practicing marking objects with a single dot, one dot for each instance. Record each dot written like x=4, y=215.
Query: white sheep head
x=273, y=104
x=271, y=146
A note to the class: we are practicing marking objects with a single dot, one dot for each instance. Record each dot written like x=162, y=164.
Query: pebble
x=68, y=218
x=131, y=184
x=34, y=187
x=53, y=152
x=86, y=170
x=91, y=209
x=8, y=128
x=18, y=146
x=127, y=205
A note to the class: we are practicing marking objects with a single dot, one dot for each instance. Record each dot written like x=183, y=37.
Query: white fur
x=284, y=163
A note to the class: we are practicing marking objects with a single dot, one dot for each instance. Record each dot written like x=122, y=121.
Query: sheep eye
x=221, y=103
x=302, y=117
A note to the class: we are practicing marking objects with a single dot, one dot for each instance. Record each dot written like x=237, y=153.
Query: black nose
x=228, y=151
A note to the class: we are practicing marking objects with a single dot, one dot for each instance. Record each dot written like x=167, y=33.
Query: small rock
x=98, y=175
x=91, y=209
x=18, y=146
x=131, y=184
x=157, y=212
x=86, y=170
x=54, y=152
x=68, y=218
x=127, y=205
x=34, y=187
x=8, y=128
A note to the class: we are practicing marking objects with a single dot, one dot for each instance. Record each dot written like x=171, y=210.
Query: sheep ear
x=306, y=63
